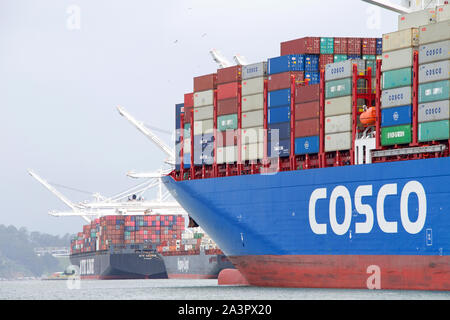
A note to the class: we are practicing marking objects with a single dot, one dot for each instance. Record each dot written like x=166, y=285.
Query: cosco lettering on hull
x=412, y=227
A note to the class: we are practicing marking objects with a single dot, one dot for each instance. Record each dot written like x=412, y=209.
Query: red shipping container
x=354, y=46
x=308, y=45
x=307, y=93
x=188, y=114
x=226, y=138
x=307, y=110
x=231, y=74
x=340, y=45
x=227, y=91
x=283, y=80
x=203, y=83
x=307, y=128
x=325, y=59
x=369, y=46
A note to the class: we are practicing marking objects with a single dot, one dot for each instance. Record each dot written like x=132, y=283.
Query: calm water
x=188, y=290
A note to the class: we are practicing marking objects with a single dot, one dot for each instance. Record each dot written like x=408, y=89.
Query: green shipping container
x=340, y=57
x=326, y=45
x=372, y=64
x=228, y=122
x=434, y=131
x=434, y=91
x=369, y=57
x=397, y=78
x=187, y=131
x=338, y=88
x=396, y=135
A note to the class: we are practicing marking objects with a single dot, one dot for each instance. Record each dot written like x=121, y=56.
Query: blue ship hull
x=384, y=225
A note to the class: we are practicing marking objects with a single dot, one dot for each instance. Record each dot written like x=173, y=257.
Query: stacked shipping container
x=228, y=96
x=396, y=102
x=434, y=82
x=163, y=231
x=204, y=97
x=307, y=119
x=254, y=77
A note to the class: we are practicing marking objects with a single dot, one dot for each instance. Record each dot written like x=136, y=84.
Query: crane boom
x=406, y=6
x=141, y=127
x=53, y=190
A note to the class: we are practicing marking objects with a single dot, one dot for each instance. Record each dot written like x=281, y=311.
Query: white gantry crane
x=129, y=202
x=406, y=6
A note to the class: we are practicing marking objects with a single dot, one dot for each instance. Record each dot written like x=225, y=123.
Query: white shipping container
x=434, y=52
x=434, y=111
x=338, y=106
x=253, y=102
x=204, y=126
x=227, y=155
x=435, y=32
x=338, y=124
x=443, y=13
x=434, y=71
x=252, y=135
x=253, y=119
x=396, y=97
x=204, y=113
x=401, y=39
x=398, y=59
x=416, y=19
x=252, y=152
x=187, y=146
x=203, y=98
x=343, y=69
x=252, y=86
x=338, y=141
x=255, y=70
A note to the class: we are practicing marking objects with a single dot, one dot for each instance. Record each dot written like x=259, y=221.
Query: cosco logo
x=433, y=52
x=432, y=111
x=395, y=97
x=337, y=70
x=341, y=192
x=252, y=70
x=434, y=72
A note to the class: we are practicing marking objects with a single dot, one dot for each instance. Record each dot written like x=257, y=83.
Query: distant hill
x=17, y=257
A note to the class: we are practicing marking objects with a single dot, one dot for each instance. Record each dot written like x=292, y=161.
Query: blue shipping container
x=396, y=116
x=379, y=46
x=312, y=63
x=294, y=62
x=353, y=57
x=314, y=77
x=279, y=115
x=307, y=145
x=179, y=108
x=279, y=149
x=279, y=98
x=284, y=131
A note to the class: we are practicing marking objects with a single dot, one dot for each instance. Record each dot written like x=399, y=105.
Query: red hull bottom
x=191, y=276
x=347, y=272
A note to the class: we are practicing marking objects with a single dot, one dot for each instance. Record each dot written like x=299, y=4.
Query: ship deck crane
x=406, y=6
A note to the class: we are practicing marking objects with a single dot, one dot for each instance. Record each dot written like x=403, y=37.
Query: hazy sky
x=65, y=65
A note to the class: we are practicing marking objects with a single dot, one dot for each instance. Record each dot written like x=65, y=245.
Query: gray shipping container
x=434, y=111
x=338, y=124
x=338, y=106
x=203, y=98
x=396, y=97
x=252, y=86
x=443, y=13
x=435, y=32
x=252, y=135
x=434, y=52
x=434, y=71
x=204, y=126
x=254, y=151
x=227, y=155
x=338, y=141
x=344, y=69
x=416, y=19
x=255, y=70
x=204, y=113
x=253, y=102
x=398, y=59
x=400, y=39
x=253, y=119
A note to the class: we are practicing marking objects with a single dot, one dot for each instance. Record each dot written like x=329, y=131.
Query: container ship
x=328, y=166
x=145, y=247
